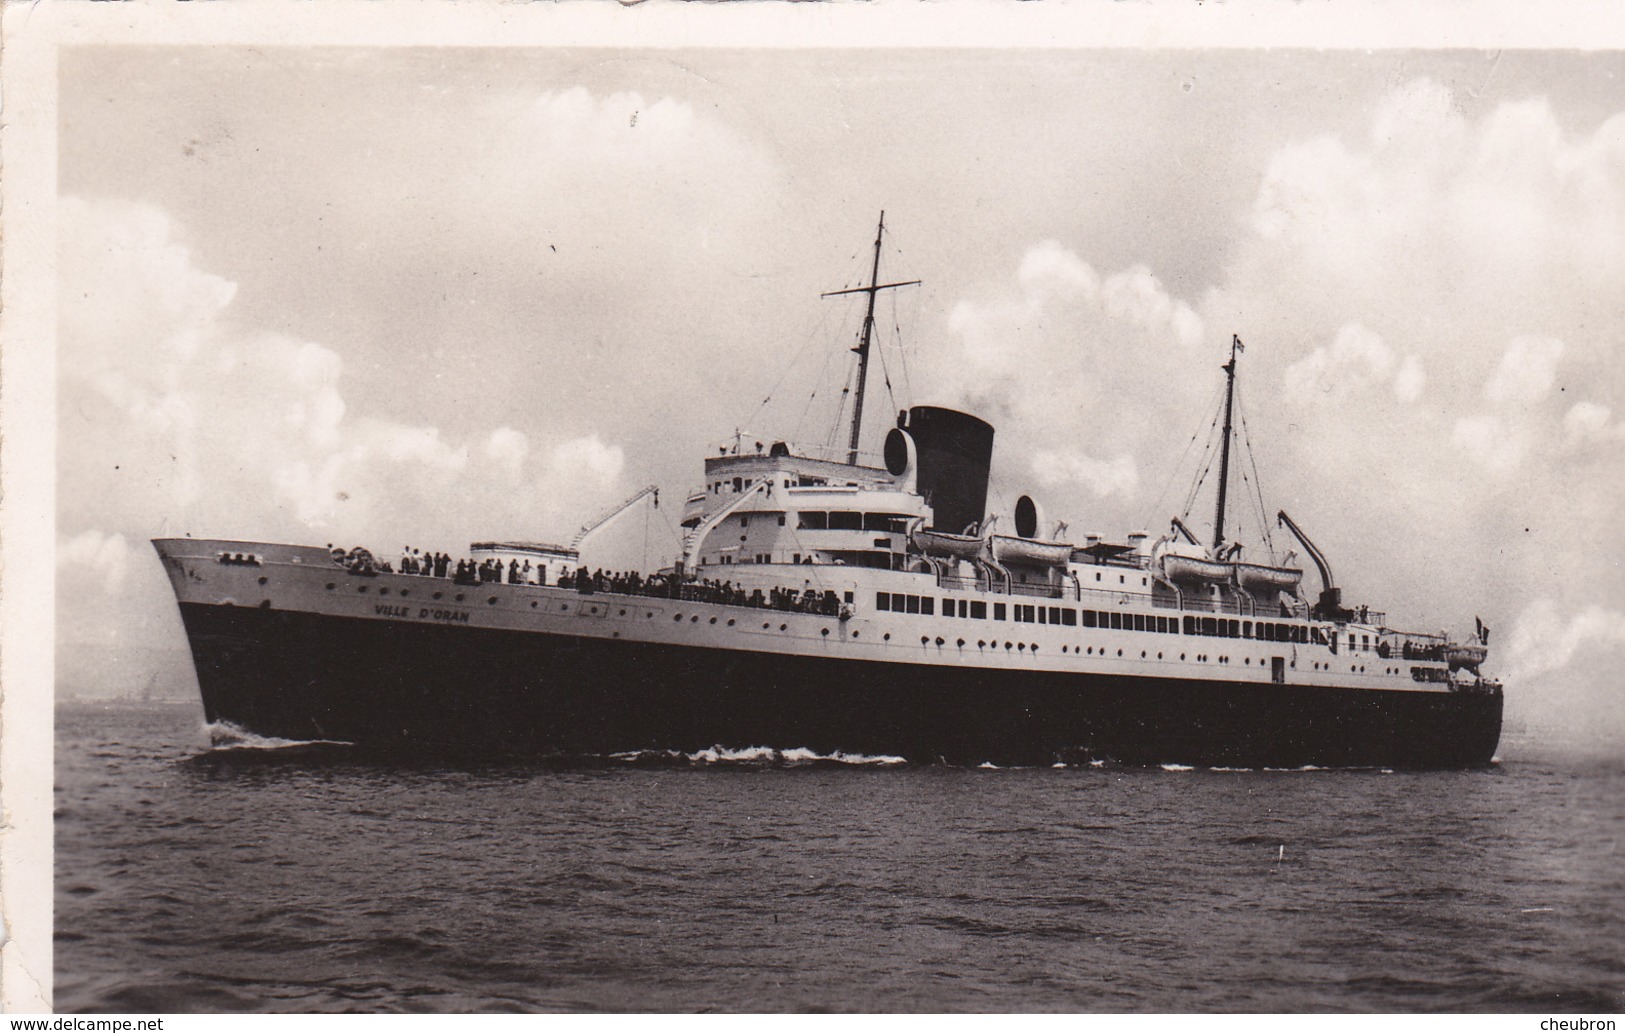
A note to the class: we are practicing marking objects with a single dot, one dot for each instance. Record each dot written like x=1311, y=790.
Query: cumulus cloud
x=102, y=559
x=1587, y=424
x=586, y=457
x=1501, y=439
x=1493, y=442
x=1559, y=663
x=1546, y=638
x=1102, y=477
x=1356, y=359
x=1118, y=354
x=1527, y=371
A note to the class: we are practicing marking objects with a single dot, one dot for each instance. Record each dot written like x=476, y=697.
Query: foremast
x=865, y=337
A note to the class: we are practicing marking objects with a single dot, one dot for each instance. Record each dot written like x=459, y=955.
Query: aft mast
x=1236, y=347
x=875, y=287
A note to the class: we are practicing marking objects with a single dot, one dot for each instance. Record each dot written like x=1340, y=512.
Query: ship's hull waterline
x=468, y=691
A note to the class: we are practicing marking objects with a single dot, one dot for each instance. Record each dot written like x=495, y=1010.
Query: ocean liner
x=832, y=605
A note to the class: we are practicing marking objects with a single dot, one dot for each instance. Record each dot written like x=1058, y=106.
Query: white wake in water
x=762, y=755
x=223, y=735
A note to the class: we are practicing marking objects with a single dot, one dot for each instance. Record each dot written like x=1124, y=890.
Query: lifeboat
x=1196, y=569
x=1031, y=551
x=1255, y=577
x=1467, y=656
x=938, y=543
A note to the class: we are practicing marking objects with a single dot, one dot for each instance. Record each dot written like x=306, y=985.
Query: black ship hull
x=461, y=691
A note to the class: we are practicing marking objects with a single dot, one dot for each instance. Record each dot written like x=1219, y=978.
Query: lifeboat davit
x=1032, y=551
x=939, y=543
x=1196, y=570
x=1255, y=577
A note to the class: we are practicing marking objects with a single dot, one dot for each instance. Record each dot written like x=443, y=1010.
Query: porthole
x=694, y=619
x=331, y=586
x=766, y=626
x=1021, y=646
x=676, y=616
x=1246, y=660
x=1119, y=652
x=1182, y=656
x=713, y=620
x=437, y=595
x=405, y=593
x=730, y=622
x=981, y=643
x=533, y=604
x=493, y=601
x=884, y=638
x=1159, y=656
x=961, y=641
x=854, y=634
x=1142, y=654
x=594, y=609
x=1007, y=646
x=623, y=613
x=362, y=589
x=939, y=640
x=383, y=591
x=262, y=581
x=459, y=598
x=821, y=631
x=1063, y=649
x=784, y=627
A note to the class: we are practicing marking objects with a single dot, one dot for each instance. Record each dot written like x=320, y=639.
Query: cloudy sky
x=427, y=295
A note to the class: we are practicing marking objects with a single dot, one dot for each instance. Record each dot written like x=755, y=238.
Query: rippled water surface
x=276, y=880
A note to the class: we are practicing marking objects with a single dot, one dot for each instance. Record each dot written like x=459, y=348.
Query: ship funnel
x=954, y=452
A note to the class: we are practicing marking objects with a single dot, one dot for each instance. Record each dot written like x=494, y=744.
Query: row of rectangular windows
x=843, y=520
x=1267, y=631
x=816, y=520
x=742, y=483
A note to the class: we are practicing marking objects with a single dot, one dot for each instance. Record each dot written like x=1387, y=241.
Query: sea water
x=276, y=877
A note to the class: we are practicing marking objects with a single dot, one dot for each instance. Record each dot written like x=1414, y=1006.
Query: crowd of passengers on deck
x=666, y=586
